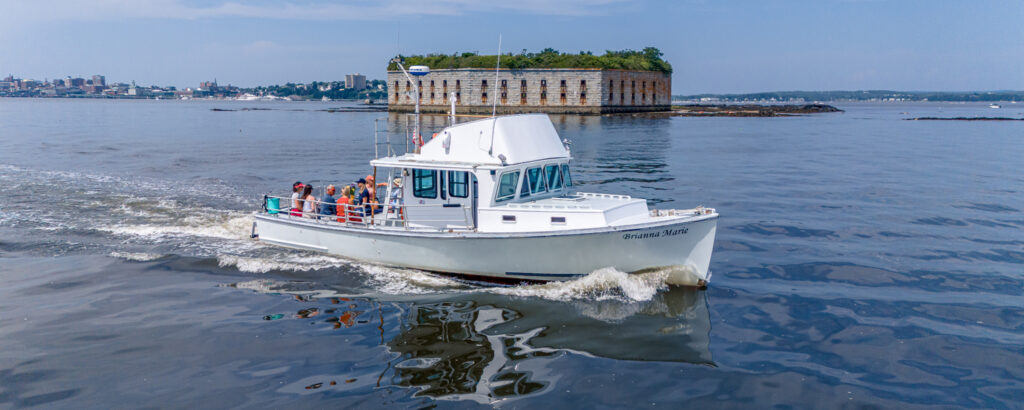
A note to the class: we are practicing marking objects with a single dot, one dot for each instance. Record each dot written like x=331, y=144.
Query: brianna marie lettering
x=658, y=234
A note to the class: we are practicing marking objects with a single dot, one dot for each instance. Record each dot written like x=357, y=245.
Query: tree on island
x=648, y=59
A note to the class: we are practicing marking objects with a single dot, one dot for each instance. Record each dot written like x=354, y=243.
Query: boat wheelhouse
x=495, y=198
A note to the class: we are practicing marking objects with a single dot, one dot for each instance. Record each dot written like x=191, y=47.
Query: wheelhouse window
x=535, y=176
x=507, y=186
x=565, y=176
x=424, y=183
x=525, y=190
x=554, y=177
x=458, y=184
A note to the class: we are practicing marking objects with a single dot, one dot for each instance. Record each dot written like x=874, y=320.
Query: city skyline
x=738, y=47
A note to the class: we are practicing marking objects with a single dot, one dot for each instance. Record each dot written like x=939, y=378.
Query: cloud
x=310, y=10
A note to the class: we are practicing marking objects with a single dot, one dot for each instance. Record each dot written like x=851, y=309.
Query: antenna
x=494, y=107
x=497, y=68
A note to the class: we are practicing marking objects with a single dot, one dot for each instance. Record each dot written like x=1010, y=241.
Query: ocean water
x=861, y=261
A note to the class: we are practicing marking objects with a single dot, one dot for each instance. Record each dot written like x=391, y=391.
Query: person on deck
x=372, y=186
x=327, y=203
x=296, y=202
x=344, y=201
x=395, y=201
x=371, y=189
x=308, y=202
x=363, y=197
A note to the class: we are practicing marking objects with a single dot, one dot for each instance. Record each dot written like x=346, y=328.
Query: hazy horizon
x=736, y=48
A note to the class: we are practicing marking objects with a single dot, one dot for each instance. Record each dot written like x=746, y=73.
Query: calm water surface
x=861, y=260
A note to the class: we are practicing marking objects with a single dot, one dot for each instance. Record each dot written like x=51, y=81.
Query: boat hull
x=681, y=247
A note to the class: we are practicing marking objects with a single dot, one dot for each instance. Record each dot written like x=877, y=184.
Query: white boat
x=494, y=198
x=994, y=106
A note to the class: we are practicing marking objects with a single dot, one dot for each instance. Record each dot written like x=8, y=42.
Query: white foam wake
x=396, y=281
x=231, y=226
x=297, y=263
x=602, y=284
x=137, y=256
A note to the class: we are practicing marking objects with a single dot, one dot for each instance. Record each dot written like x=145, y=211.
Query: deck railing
x=372, y=215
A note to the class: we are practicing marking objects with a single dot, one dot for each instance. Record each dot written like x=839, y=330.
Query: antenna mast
x=494, y=107
x=497, y=68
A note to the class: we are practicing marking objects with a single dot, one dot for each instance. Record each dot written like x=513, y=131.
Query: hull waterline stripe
x=557, y=275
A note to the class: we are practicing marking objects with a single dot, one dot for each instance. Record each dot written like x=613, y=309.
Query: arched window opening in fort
x=522, y=92
x=543, y=92
x=562, y=91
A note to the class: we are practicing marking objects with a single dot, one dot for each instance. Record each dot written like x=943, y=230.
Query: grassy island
x=648, y=59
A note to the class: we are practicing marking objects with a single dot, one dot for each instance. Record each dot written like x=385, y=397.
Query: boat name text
x=656, y=234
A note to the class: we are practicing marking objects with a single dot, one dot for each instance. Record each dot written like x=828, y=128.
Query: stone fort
x=549, y=90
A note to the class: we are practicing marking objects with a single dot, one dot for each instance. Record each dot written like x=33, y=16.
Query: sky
x=725, y=46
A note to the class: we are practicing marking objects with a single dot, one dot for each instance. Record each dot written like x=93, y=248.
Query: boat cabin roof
x=518, y=139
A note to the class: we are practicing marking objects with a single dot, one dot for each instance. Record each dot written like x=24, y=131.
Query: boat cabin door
x=440, y=198
x=476, y=200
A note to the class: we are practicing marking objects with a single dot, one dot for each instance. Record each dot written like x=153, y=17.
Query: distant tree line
x=648, y=59
x=865, y=95
x=335, y=90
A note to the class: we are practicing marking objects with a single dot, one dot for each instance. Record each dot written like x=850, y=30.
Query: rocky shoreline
x=748, y=110
x=964, y=119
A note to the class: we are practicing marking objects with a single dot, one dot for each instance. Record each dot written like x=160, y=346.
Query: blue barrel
x=273, y=205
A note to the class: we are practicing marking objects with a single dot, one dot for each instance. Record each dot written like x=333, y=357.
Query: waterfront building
x=99, y=80
x=356, y=81
x=641, y=81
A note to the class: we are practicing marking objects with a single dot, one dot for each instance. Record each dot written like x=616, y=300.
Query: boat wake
x=137, y=256
x=282, y=262
x=602, y=284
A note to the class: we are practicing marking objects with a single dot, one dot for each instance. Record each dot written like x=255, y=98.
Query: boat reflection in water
x=474, y=347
